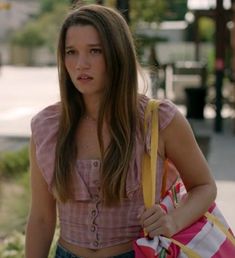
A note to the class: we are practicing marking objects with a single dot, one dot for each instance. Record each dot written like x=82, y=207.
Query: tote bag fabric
x=208, y=237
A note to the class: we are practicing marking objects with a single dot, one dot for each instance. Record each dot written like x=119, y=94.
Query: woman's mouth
x=84, y=78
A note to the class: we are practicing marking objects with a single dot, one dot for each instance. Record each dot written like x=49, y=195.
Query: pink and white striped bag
x=208, y=237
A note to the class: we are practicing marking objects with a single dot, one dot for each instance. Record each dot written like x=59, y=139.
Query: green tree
x=29, y=36
x=48, y=6
x=206, y=29
x=175, y=10
x=152, y=10
x=149, y=11
x=49, y=24
x=41, y=30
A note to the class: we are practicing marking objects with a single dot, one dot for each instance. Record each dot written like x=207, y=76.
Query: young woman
x=86, y=150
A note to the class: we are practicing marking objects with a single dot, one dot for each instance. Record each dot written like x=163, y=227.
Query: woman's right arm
x=42, y=216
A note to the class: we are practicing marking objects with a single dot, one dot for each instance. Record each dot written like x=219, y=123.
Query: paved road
x=24, y=91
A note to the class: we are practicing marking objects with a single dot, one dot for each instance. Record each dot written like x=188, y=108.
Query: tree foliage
x=175, y=10
x=48, y=6
x=29, y=36
x=43, y=29
x=206, y=29
x=150, y=10
x=49, y=24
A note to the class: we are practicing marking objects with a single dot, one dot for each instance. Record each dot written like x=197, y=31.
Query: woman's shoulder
x=47, y=113
x=44, y=127
x=46, y=121
x=166, y=110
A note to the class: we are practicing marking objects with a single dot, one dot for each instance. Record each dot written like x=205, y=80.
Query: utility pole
x=219, y=62
x=101, y=2
x=233, y=42
x=123, y=7
x=233, y=56
x=196, y=37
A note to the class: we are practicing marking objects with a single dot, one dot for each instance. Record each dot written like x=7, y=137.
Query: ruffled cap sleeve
x=44, y=127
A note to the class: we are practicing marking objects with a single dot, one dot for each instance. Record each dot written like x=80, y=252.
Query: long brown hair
x=119, y=99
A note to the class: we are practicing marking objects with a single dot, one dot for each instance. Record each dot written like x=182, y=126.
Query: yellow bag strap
x=149, y=169
x=149, y=175
x=149, y=161
x=189, y=252
x=215, y=222
x=220, y=225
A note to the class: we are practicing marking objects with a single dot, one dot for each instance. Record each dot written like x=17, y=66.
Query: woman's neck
x=92, y=106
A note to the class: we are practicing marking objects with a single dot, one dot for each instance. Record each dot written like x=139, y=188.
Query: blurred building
x=13, y=15
x=171, y=31
x=206, y=5
x=16, y=13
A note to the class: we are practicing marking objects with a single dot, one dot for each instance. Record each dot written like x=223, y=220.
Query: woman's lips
x=84, y=78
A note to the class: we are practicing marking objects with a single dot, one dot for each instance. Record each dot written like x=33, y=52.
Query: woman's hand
x=156, y=221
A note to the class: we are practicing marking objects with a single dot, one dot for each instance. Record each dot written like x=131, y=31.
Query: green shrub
x=13, y=246
x=14, y=163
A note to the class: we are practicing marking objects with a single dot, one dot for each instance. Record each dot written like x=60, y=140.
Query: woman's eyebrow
x=89, y=45
x=94, y=45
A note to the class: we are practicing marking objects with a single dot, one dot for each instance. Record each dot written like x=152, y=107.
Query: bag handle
x=149, y=166
x=213, y=219
x=150, y=161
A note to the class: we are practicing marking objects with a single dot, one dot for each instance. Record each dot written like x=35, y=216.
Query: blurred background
x=187, y=48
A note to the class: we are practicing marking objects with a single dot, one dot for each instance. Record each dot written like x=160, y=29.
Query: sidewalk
x=221, y=160
x=25, y=91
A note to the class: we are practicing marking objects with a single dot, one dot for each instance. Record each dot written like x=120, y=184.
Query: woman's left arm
x=182, y=149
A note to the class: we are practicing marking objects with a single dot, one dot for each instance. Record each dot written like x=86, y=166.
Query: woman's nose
x=82, y=62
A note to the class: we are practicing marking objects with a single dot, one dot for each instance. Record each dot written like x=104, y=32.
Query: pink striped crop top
x=84, y=220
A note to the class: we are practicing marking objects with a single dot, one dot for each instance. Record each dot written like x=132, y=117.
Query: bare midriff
x=100, y=253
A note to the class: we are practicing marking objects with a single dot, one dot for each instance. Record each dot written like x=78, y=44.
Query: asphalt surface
x=24, y=91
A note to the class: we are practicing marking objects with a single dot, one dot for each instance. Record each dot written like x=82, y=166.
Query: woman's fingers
x=156, y=222
x=151, y=215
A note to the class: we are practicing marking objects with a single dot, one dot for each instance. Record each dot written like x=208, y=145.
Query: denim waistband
x=61, y=252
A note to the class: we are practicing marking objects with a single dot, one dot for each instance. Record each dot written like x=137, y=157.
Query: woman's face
x=84, y=60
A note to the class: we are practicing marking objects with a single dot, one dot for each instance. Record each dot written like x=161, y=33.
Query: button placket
x=96, y=198
x=96, y=243
x=96, y=164
x=94, y=183
x=93, y=228
x=93, y=214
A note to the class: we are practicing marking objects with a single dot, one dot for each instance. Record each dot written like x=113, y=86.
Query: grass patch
x=14, y=204
x=14, y=191
x=13, y=246
x=13, y=164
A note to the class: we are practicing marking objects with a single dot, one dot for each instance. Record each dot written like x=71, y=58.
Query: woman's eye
x=69, y=52
x=96, y=51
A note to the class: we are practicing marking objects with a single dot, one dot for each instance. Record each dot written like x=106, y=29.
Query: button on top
x=95, y=243
x=96, y=198
x=95, y=163
x=93, y=228
x=93, y=213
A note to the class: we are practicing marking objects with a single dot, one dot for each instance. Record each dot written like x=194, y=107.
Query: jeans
x=61, y=252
